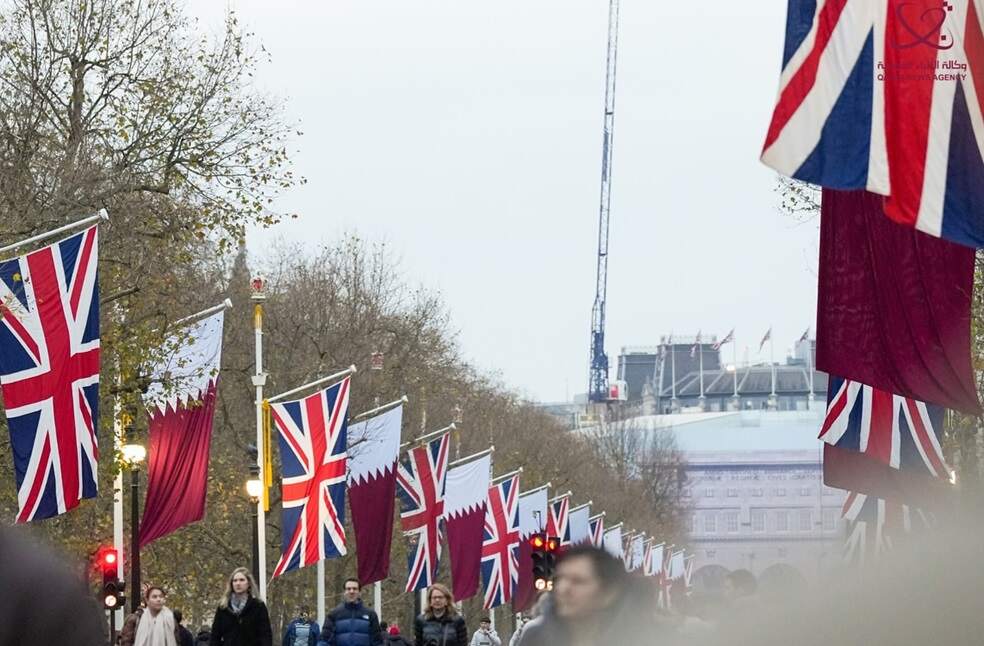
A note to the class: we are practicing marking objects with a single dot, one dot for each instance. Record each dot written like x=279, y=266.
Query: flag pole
x=506, y=476
x=473, y=456
x=317, y=382
x=597, y=516
x=449, y=427
x=673, y=399
x=101, y=215
x=259, y=380
x=321, y=592
x=224, y=305
x=560, y=497
x=734, y=357
x=700, y=352
x=772, y=364
x=535, y=489
x=587, y=504
x=809, y=364
x=381, y=409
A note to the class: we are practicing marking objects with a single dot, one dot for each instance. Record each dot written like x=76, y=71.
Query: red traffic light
x=109, y=557
x=552, y=544
x=538, y=541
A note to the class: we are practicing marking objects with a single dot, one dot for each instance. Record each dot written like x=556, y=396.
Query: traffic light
x=544, y=559
x=112, y=587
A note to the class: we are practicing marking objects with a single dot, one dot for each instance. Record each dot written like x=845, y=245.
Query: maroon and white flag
x=181, y=399
x=464, y=515
x=373, y=451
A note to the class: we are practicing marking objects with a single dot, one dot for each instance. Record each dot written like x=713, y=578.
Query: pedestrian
x=518, y=633
x=241, y=618
x=185, y=638
x=204, y=636
x=593, y=602
x=394, y=638
x=351, y=623
x=440, y=624
x=485, y=635
x=44, y=601
x=302, y=631
x=152, y=624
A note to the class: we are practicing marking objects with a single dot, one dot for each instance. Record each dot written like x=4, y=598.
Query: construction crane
x=598, y=389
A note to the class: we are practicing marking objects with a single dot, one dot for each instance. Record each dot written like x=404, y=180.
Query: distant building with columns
x=754, y=491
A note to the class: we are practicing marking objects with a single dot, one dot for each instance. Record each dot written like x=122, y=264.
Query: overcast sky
x=468, y=136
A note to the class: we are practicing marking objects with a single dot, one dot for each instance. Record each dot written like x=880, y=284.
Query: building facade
x=754, y=492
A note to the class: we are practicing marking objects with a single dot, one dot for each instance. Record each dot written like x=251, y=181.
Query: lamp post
x=133, y=454
x=254, y=489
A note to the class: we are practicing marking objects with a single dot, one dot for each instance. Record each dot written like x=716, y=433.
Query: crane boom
x=598, y=376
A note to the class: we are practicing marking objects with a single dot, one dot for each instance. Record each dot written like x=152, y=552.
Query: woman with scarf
x=241, y=618
x=150, y=626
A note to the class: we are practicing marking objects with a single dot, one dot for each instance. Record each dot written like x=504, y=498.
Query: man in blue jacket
x=351, y=623
x=302, y=631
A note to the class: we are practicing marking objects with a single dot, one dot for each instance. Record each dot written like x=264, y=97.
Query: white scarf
x=155, y=631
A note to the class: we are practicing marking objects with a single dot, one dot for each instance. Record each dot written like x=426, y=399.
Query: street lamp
x=134, y=453
x=254, y=489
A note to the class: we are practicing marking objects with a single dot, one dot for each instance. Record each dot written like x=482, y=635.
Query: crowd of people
x=594, y=602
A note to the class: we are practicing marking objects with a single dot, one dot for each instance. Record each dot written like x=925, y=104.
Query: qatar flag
x=373, y=450
x=612, y=543
x=464, y=514
x=532, y=519
x=579, y=525
x=181, y=399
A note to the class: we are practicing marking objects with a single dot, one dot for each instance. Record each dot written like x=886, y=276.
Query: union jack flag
x=421, y=477
x=887, y=96
x=665, y=580
x=727, y=339
x=893, y=430
x=313, y=452
x=49, y=370
x=875, y=525
x=500, y=546
x=598, y=531
x=557, y=517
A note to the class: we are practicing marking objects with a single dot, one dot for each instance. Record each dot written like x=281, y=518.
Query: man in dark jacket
x=302, y=631
x=351, y=623
x=182, y=634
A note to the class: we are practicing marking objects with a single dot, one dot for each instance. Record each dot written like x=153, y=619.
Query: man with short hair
x=351, y=623
x=485, y=635
x=302, y=631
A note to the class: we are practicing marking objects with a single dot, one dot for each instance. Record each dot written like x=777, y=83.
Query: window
x=693, y=524
x=806, y=520
x=710, y=523
x=827, y=491
x=781, y=491
x=758, y=520
x=732, y=519
x=711, y=553
x=805, y=491
x=757, y=492
x=782, y=521
x=708, y=493
x=732, y=493
x=829, y=520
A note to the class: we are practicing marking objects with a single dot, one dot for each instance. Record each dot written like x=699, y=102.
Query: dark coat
x=251, y=627
x=396, y=640
x=290, y=636
x=44, y=602
x=446, y=631
x=351, y=624
x=203, y=637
